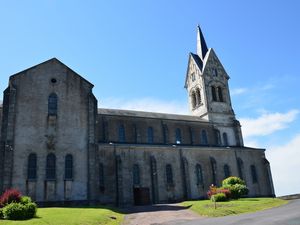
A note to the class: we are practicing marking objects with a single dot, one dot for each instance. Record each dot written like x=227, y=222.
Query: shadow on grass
x=129, y=209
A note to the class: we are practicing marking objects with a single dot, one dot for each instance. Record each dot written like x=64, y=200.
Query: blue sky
x=136, y=52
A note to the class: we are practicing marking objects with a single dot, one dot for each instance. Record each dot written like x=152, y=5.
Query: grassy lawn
x=244, y=205
x=65, y=216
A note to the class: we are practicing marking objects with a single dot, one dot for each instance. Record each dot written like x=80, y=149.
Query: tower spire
x=201, y=44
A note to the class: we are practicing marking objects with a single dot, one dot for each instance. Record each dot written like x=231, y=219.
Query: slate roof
x=154, y=115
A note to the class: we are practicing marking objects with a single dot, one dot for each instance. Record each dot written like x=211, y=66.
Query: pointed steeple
x=201, y=45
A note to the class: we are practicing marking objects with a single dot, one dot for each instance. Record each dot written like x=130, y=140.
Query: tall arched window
x=213, y=170
x=213, y=92
x=150, y=135
x=225, y=139
x=178, y=136
x=101, y=177
x=240, y=167
x=226, y=171
x=220, y=94
x=253, y=174
x=50, y=167
x=31, y=169
x=199, y=175
x=218, y=137
x=204, y=140
x=169, y=174
x=136, y=174
x=52, y=104
x=193, y=98
x=69, y=167
x=121, y=133
x=198, y=96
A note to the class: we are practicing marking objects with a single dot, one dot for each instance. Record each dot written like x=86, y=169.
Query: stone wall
x=183, y=161
x=164, y=130
x=65, y=132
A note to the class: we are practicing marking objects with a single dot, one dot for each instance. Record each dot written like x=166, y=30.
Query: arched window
x=193, y=98
x=69, y=167
x=213, y=170
x=178, y=136
x=136, y=174
x=225, y=139
x=52, y=104
x=213, y=92
x=198, y=96
x=101, y=177
x=199, y=175
x=121, y=133
x=226, y=171
x=220, y=94
x=50, y=167
x=204, y=140
x=150, y=135
x=218, y=137
x=254, y=174
x=31, y=169
x=240, y=167
x=169, y=174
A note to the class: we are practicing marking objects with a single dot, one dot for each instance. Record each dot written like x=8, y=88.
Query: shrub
x=30, y=210
x=238, y=190
x=25, y=200
x=9, y=196
x=14, y=211
x=232, y=181
x=1, y=213
x=213, y=190
x=219, y=197
x=19, y=211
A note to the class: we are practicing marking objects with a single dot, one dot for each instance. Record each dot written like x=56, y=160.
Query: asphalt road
x=288, y=214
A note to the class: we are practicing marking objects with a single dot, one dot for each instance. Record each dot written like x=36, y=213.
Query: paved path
x=158, y=214
x=288, y=214
x=172, y=214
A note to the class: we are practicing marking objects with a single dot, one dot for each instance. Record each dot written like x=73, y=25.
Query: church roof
x=49, y=61
x=154, y=115
x=201, y=44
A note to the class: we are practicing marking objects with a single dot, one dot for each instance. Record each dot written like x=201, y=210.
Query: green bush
x=25, y=200
x=219, y=197
x=14, y=211
x=19, y=211
x=232, y=181
x=1, y=213
x=236, y=186
x=30, y=210
x=238, y=190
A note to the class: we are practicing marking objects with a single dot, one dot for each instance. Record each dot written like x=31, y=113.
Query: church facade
x=58, y=146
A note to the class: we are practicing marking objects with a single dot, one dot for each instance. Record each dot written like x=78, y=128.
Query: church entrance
x=141, y=196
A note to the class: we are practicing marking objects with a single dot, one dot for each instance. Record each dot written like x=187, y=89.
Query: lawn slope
x=70, y=216
x=243, y=205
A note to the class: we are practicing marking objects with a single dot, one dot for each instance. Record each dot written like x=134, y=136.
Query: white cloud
x=238, y=91
x=285, y=166
x=267, y=123
x=146, y=104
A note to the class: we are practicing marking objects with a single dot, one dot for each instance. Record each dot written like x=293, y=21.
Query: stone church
x=57, y=146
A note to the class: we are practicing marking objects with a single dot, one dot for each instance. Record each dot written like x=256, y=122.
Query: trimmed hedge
x=14, y=206
x=19, y=211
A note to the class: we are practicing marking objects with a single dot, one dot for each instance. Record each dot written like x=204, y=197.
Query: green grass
x=77, y=216
x=244, y=205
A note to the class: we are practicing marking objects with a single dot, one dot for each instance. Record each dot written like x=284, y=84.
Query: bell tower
x=208, y=91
